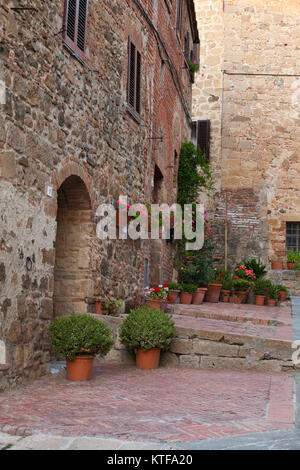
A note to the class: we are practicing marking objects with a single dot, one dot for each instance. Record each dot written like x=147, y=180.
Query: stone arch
x=73, y=282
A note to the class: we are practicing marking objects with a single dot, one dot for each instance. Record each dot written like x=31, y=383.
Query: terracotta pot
x=277, y=265
x=260, y=300
x=156, y=303
x=225, y=291
x=186, y=298
x=271, y=302
x=243, y=295
x=175, y=295
x=198, y=296
x=225, y=298
x=235, y=300
x=80, y=368
x=98, y=307
x=282, y=295
x=148, y=359
x=213, y=293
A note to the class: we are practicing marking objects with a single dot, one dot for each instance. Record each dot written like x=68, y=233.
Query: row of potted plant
x=80, y=338
x=293, y=262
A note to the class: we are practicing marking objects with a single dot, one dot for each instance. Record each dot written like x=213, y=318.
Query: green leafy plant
x=147, y=328
x=241, y=285
x=110, y=305
x=80, y=335
x=282, y=288
x=190, y=288
x=273, y=291
x=227, y=283
x=262, y=286
x=256, y=266
x=293, y=256
x=194, y=66
x=173, y=286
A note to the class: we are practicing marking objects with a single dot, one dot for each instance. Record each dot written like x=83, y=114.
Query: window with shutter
x=179, y=18
x=75, y=25
x=203, y=137
x=134, y=77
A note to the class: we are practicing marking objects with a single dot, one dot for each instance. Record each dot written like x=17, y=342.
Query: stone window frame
x=72, y=44
x=290, y=247
x=134, y=80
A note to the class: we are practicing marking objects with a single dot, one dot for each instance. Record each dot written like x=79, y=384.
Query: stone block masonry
x=69, y=141
x=212, y=349
x=249, y=87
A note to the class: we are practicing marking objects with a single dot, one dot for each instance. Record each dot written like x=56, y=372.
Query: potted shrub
x=260, y=291
x=147, y=331
x=273, y=295
x=107, y=305
x=199, y=295
x=214, y=287
x=174, y=291
x=282, y=292
x=227, y=284
x=156, y=297
x=291, y=259
x=242, y=288
x=186, y=293
x=80, y=338
x=235, y=299
x=256, y=266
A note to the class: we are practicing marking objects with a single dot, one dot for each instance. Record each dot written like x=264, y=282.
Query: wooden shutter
x=179, y=17
x=203, y=137
x=187, y=46
x=134, y=77
x=196, y=52
x=75, y=25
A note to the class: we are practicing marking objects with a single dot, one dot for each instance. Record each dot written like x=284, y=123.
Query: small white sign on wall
x=2, y=353
x=2, y=92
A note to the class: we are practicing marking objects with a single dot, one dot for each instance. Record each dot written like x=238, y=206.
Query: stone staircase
x=223, y=336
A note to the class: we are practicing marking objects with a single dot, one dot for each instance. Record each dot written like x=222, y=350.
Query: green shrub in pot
x=147, y=328
x=79, y=335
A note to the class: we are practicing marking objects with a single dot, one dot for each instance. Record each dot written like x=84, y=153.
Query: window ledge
x=74, y=54
x=136, y=117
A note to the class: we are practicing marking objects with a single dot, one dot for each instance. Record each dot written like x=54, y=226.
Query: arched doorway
x=72, y=278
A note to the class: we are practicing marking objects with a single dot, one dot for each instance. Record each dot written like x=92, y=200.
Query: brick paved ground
x=166, y=405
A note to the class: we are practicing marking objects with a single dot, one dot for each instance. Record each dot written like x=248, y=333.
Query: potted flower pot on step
x=80, y=338
x=282, y=293
x=147, y=332
x=198, y=296
x=242, y=288
x=272, y=295
x=225, y=297
x=174, y=291
x=278, y=265
x=186, y=293
x=156, y=297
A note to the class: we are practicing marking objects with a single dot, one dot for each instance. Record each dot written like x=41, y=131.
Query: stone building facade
x=249, y=89
x=95, y=103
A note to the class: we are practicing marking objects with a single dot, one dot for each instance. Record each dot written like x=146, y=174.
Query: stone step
x=215, y=343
